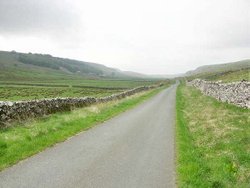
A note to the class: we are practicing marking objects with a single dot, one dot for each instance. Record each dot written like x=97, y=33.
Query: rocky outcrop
x=10, y=111
x=237, y=93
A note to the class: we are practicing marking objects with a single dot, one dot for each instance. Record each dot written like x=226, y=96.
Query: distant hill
x=234, y=66
x=166, y=76
x=15, y=66
x=227, y=72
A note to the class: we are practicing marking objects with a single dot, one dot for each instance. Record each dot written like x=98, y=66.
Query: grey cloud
x=228, y=25
x=149, y=36
x=39, y=18
x=232, y=35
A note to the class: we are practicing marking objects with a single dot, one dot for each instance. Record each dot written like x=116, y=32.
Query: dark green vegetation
x=12, y=93
x=84, y=83
x=213, y=141
x=97, y=88
x=228, y=72
x=38, y=67
x=36, y=76
x=24, y=140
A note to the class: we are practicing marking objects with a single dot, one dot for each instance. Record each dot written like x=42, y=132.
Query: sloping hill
x=220, y=67
x=226, y=72
x=15, y=66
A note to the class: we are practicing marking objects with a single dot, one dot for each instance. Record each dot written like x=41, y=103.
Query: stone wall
x=237, y=93
x=10, y=111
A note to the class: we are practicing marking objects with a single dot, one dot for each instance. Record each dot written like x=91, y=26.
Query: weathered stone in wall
x=22, y=110
x=237, y=93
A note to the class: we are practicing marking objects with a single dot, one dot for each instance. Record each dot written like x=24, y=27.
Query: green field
x=11, y=93
x=23, y=140
x=103, y=83
x=36, y=76
x=14, y=91
x=212, y=142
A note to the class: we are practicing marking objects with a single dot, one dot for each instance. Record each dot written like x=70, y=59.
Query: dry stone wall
x=237, y=93
x=10, y=111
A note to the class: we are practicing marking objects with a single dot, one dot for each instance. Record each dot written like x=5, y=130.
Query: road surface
x=133, y=150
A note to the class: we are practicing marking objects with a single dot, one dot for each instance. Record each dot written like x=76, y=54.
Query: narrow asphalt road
x=133, y=150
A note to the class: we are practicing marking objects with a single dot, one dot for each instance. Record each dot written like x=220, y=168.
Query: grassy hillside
x=36, y=76
x=232, y=76
x=23, y=67
x=235, y=71
x=221, y=67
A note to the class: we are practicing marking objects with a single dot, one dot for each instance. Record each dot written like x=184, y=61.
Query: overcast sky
x=147, y=36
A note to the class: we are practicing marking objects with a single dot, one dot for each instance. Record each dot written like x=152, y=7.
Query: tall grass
x=213, y=142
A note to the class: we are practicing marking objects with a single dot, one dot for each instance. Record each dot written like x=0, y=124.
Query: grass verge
x=213, y=141
x=22, y=141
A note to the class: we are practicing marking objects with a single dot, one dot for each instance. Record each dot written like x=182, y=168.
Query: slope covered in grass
x=227, y=72
x=239, y=65
x=233, y=76
x=24, y=67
